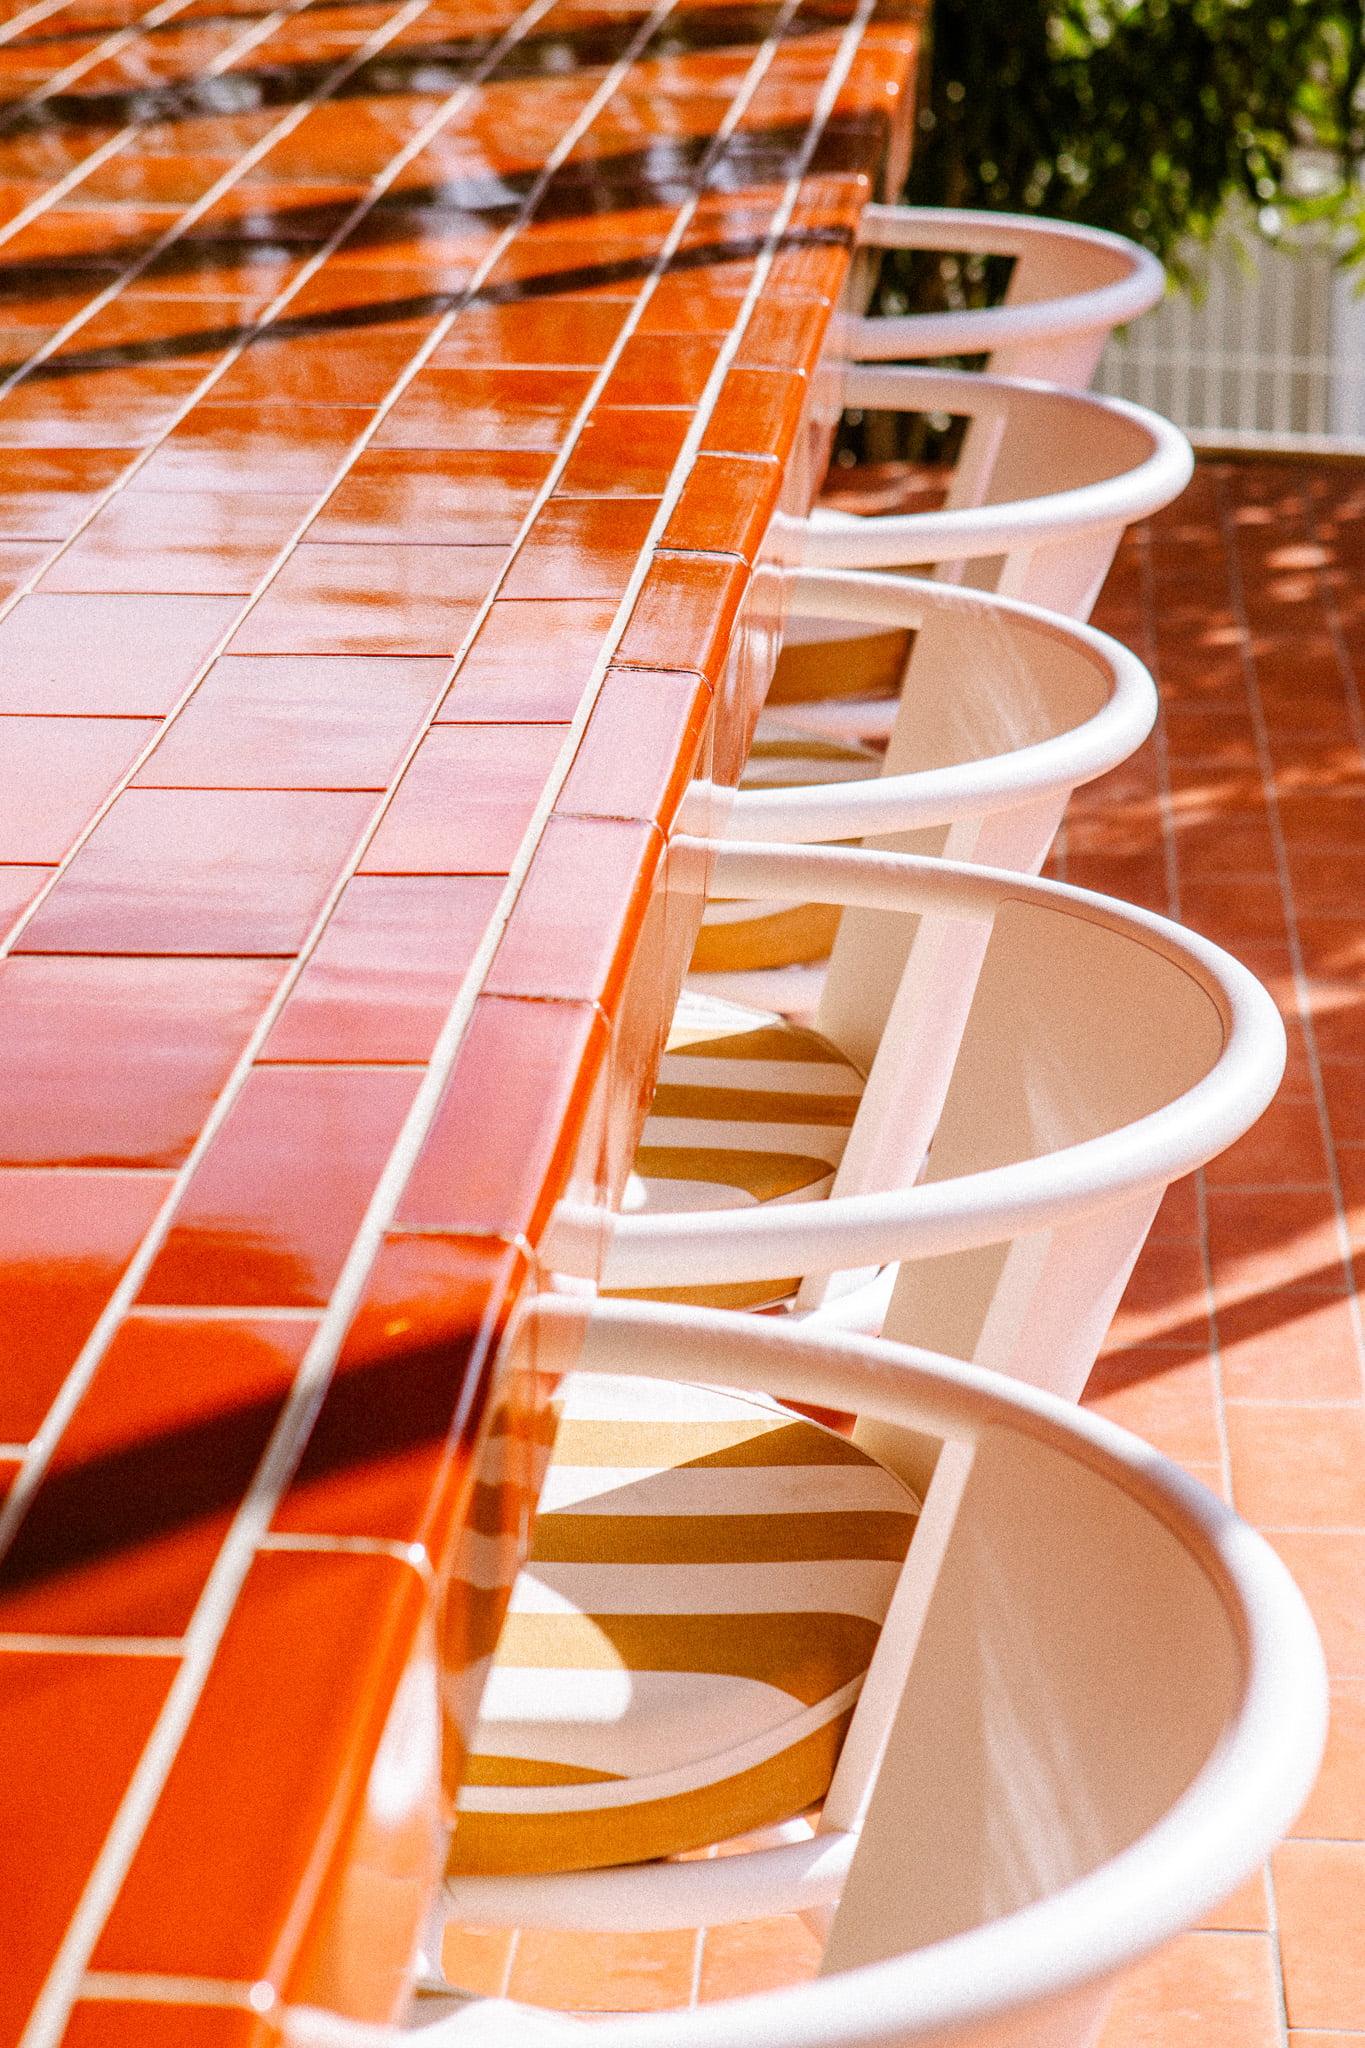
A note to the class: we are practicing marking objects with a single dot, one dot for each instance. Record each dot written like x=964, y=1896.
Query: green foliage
x=1147, y=116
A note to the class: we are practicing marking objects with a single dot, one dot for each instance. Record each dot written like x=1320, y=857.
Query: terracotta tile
x=589, y=546
x=433, y=494
x=726, y=506
x=1256, y=1244
x=297, y=722
x=201, y=871
x=1295, y=1468
x=757, y=413
x=1284, y=1148
x=1167, y=1397
x=1336, y=1805
x=94, y=409
x=578, y=912
x=121, y=1535
x=227, y=1877
x=111, y=2022
x=389, y=1454
x=270, y=445
x=624, y=453
x=1289, y=1344
x=18, y=887
x=269, y=1216
x=643, y=745
x=116, y=1062
x=1220, y=1988
x=1330, y=1571
x=1320, y=1892
x=530, y=661
x=757, y=1955
x=604, y=1972
x=662, y=369
x=338, y=599
x=126, y=656
x=502, y=408
x=334, y=368
x=703, y=299
x=1166, y=1299
x=539, y=1061
x=1247, y=1910
x=561, y=333
x=74, y=1727
x=381, y=980
x=183, y=541
x=45, y=493
x=782, y=332
x=684, y=616
x=466, y=800
x=54, y=773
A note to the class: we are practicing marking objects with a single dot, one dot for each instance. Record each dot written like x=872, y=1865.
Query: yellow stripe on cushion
x=700, y=1445
x=694, y=1539
x=866, y=665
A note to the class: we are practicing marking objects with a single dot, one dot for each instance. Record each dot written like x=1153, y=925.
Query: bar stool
x=1069, y=288
x=1094, y=1703
x=1003, y=711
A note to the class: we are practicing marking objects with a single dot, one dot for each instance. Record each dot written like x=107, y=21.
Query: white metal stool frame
x=1047, y=482
x=1042, y=773
x=1215, y=1784
x=1071, y=286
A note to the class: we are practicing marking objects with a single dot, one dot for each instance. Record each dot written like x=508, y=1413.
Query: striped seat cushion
x=707, y=1579
x=747, y=1108
x=736, y=937
x=843, y=663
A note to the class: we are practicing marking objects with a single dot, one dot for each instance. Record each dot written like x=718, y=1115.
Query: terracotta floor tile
x=757, y=1955
x=121, y=656
x=1168, y=1397
x=1246, y=1911
x=1166, y=1299
x=604, y=1972
x=271, y=445
x=1204, y=1990
x=1320, y=1893
x=560, y=333
x=54, y=773
x=462, y=408
x=624, y=453
x=1256, y=1243
x=201, y=871
x=1290, y=1344
x=1298, y=1467
x=1330, y=1570
x=1336, y=1805
x=45, y=493
x=478, y=1959
x=587, y=545
x=297, y=722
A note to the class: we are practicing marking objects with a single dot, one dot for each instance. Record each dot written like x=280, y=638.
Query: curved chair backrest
x=1069, y=288
x=1003, y=711
x=1097, y=1702
x=1106, y=1053
x=1045, y=485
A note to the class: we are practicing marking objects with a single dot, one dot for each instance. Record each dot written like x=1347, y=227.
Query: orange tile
x=1247, y=1910
x=604, y=1972
x=1289, y=1344
x=624, y=453
x=370, y=599
x=125, y=1527
x=46, y=493
x=297, y=722
x=502, y=408
x=116, y=1062
x=684, y=615
x=98, y=408
x=530, y=661
x=265, y=445
x=1320, y=1893
x=433, y=494
x=662, y=369
x=1284, y=1148
x=561, y=333
x=1219, y=1990
x=726, y=505
x=1330, y=1570
x=334, y=368
x=123, y=656
x=758, y=413
x=201, y=871
x=269, y=1215
x=589, y=546
x=578, y=912
x=1166, y=1299
x=1298, y=1467
x=465, y=801
x=1336, y=1805
x=1167, y=1397
x=757, y=1955
x=478, y=1959
x=382, y=978
x=643, y=744
x=1256, y=1244
x=54, y=774
x=73, y=1729
x=180, y=541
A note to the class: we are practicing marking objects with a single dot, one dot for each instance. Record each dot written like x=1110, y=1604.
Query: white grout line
x=219, y=1596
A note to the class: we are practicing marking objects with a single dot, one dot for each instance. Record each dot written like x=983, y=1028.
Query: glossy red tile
x=73, y=1729
x=130, y=657
x=377, y=599
x=529, y=662
x=270, y=445
x=116, y=1062
x=466, y=801
x=502, y=408
x=186, y=541
x=579, y=911
x=589, y=546
x=643, y=745
x=482, y=1177
x=54, y=773
x=726, y=506
x=624, y=452
x=269, y=1215
x=389, y=1454
x=46, y=493
x=330, y=368
x=685, y=615
x=561, y=333
x=782, y=333
x=227, y=1881
x=96, y=408
x=201, y=871
x=758, y=413
x=662, y=369
x=126, y=1525
x=448, y=495
x=296, y=721
x=382, y=978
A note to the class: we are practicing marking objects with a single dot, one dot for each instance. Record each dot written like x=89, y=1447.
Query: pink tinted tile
x=642, y=746
x=185, y=541
x=126, y=1523
x=18, y=887
x=201, y=871
x=757, y=1955
x=272, y=445
x=685, y=615
x=116, y=1062
x=65, y=1239
x=587, y=546
x=1291, y=1344
x=1320, y=1892
x=356, y=599
x=273, y=1205
x=466, y=800
x=1330, y=1571
x=495, y=408
x=578, y=912
x=45, y=493
x=1221, y=1987
x=1336, y=1805
x=604, y=1972
x=128, y=656
x=530, y=660
x=448, y=495
x=54, y=773
x=382, y=978
x=297, y=722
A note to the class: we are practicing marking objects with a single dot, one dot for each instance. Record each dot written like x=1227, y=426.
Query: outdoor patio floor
x=1238, y=1349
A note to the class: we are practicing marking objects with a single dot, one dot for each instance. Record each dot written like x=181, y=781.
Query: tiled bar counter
x=395, y=402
